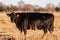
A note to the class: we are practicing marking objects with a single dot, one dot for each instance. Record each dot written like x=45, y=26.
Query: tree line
x=28, y=7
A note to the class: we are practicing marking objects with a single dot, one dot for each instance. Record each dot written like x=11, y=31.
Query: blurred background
x=30, y=5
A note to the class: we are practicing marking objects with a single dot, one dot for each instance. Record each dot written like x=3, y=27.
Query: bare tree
x=1, y=6
x=50, y=7
x=21, y=3
x=57, y=9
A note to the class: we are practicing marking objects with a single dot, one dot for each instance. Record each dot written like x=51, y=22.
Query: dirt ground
x=9, y=29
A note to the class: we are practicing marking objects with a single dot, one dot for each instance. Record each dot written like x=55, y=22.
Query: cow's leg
x=25, y=32
x=51, y=29
x=33, y=27
x=30, y=26
x=44, y=29
x=21, y=29
x=25, y=27
x=19, y=26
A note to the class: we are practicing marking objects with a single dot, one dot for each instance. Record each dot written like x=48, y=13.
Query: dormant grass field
x=8, y=28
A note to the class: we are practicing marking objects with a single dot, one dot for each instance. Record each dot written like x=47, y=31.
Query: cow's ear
x=9, y=14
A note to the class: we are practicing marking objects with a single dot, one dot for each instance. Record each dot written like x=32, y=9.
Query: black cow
x=44, y=21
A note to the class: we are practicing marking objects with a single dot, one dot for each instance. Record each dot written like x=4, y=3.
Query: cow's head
x=12, y=17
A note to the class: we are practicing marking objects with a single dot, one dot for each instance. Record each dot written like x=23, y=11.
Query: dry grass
x=8, y=28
